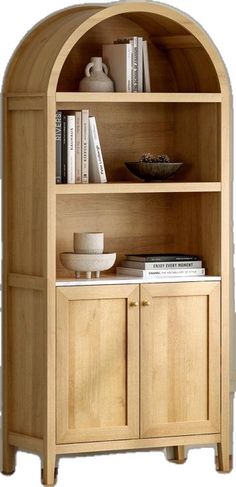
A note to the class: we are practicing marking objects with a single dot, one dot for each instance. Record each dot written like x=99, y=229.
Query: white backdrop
x=144, y=468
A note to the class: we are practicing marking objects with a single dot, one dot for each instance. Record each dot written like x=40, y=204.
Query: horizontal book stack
x=78, y=151
x=161, y=265
x=128, y=64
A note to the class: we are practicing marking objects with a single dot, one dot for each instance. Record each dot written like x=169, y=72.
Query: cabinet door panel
x=97, y=367
x=180, y=359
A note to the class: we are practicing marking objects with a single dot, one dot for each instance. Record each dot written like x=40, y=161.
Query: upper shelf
x=129, y=187
x=75, y=97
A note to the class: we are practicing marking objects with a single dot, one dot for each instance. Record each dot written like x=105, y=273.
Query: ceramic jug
x=96, y=78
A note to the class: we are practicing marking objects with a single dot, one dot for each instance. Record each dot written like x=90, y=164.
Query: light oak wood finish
x=73, y=97
x=180, y=359
x=176, y=42
x=188, y=115
x=133, y=187
x=139, y=223
x=26, y=443
x=27, y=282
x=97, y=363
x=142, y=444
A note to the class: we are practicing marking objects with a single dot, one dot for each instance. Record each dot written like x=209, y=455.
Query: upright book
x=78, y=147
x=85, y=146
x=58, y=147
x=97, y=172
x=71, y=149
x=146, y=69
x=64, y=148
x=118, y=59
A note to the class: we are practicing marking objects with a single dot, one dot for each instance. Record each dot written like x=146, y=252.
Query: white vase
x=96, y=78
x=88, y=243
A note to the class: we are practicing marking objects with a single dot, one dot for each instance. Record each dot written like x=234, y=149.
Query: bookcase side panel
x=26, y=378
x=27, y=178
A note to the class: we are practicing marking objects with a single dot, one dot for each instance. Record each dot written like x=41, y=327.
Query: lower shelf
x=114, y=279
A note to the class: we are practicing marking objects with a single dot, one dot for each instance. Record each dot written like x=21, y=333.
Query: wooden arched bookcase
x=84, y=371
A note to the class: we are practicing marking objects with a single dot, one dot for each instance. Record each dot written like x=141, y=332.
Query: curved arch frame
x=159, y=9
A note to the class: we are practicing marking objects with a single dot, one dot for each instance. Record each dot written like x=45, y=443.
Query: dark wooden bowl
x=153, y=171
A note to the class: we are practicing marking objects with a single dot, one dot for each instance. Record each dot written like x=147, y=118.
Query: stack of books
x=128, y=64
x=161, y=265
x=78, y=151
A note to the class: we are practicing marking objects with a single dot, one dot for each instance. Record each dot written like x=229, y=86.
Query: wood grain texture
x=26, y=377
x=97, y=364
x=180, y=343
x=136, y=444
x=27, y=200
x=26, y=443
x=194, y=92
x=130, y=223
x=40, y=58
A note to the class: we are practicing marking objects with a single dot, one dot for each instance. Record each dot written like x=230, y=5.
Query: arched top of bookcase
x=53, y=54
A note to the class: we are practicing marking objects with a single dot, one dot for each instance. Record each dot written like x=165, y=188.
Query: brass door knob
x=133, y=303
x=146, y=303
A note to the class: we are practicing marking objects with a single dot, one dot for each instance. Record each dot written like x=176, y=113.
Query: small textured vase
x=96, y=78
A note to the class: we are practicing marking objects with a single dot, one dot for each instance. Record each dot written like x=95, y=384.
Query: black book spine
x=64, y=148
x=58, y=147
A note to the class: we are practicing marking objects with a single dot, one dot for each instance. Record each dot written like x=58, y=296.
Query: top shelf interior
x=178, y=62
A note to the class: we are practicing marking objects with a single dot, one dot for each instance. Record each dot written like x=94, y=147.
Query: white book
x=134, y=67
x=71, y=149
x=197, y=264
x=146, y=70
x=78, y=148
x=85, y=146
x=140, y=64
x=162, y=273
x=117, y=57
x=97, y=173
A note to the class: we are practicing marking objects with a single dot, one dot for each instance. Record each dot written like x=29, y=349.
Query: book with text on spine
x=160, y=272
x=195, y=264
x=58, y=147
x=64, y=148
x=97, y=173
x=85, y=146
x=71, y=149
x=161, y=257
x=78, y=148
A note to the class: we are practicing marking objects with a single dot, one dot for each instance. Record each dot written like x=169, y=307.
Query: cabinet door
x=97, y=363
x=180, y=359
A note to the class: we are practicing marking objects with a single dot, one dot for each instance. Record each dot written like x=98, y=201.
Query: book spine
x=71, y=149
x=129, y=68
x=161, y=265
x=146, y=70
x=161, y=273
x=78, y=149
x=134, y=42
x=85, y=146
x=140, y=64
x=95, y=154
x=162, y=258
x=64, y=148
x=59, y=147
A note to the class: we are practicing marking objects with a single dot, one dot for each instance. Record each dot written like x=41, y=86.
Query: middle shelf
x=136, y=187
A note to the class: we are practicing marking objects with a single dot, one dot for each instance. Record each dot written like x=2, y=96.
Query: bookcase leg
x=176, y=454
x=224, y=460
x=8, y=459
x=49, y=471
